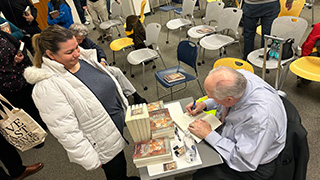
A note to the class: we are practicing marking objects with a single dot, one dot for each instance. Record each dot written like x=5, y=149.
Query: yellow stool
x=307, y=67
x=234, y=63
x=121, y=44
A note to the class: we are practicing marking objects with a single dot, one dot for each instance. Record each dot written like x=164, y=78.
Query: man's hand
x=84, y=7
x=103, y=63
x=118, y=1
x=18, y=58
x=28, y=18
x=200, y=128
x=288, y=6
x=198, y=108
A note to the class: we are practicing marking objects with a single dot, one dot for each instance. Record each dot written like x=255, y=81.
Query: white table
x=208, y=155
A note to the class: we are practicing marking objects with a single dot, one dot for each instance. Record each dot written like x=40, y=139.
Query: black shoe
x=99, y=38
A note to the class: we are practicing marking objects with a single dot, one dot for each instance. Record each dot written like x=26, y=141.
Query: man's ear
x=50, y=54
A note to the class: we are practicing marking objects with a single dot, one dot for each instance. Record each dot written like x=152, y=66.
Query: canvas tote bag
x=20, y=129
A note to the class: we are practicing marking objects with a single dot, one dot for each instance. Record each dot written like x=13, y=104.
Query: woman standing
x=80, y=101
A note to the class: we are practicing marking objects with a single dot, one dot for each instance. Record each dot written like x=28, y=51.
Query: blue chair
x=166, y=8
x=187, y=53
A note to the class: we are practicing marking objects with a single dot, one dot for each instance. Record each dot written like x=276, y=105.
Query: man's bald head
x=225, y=82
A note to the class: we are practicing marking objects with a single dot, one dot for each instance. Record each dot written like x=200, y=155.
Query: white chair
x=229, y=20
x=179, y=23
x=115, y=20
x=283, y=27
x=166, y=8
x=213, y=11
x=140, y=56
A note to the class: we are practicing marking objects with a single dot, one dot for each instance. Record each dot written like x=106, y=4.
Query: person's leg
x=101, y=9
x=271, y=12
x=93, y=13
x=11, y=158
x=80, y=11
x=116, y=169
x=249, y=33
x=108, y=6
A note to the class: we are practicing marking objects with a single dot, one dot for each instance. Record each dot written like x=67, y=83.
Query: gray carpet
x=305, y=98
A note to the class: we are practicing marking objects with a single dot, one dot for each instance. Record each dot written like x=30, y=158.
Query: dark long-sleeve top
x=89, y=44
x=13, y=10
x=15, y=31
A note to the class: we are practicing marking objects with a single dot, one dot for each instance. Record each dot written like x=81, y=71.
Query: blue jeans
x=108, y=6
x=266, y=12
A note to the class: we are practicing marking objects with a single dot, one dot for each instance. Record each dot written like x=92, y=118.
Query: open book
x=174, y=77
x=185, y=119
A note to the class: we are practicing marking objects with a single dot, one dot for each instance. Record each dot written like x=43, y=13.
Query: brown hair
x=49, y=39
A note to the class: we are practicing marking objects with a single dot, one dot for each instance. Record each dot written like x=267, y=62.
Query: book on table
x=5, y=27
x=185, y=119
x=151, y=151
x=161, y=123
x=137, y=120
x=204, y=30
x=174, y=77
x=155, y=105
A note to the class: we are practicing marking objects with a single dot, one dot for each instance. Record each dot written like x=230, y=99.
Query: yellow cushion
x=307, y=67
x=121, y=43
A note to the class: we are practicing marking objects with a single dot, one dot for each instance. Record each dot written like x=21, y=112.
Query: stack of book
x=137, y=120
x=152, y=151
x=155, y=105
x=161, y=123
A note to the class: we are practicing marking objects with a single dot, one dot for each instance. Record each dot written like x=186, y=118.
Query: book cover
x=155, y=105
x=174, y=77
x=204, y=30
x=151, y=147
x=5, y=27
x=54, y=14
x=27, y=11
x=160, y=120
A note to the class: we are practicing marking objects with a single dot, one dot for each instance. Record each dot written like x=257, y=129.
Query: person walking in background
x=253, y=11
x=26, y=21
x=80, y=101
x=99, y=13
x=81, y=32
x=59, y=12
x=79, y=6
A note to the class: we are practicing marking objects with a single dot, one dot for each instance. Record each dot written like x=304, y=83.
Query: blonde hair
x=49, y=39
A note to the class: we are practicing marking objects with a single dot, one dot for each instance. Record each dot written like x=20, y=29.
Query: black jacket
x=292, y=162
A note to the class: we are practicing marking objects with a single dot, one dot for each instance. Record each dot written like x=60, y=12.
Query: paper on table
x=185, y=119
x=175, y=109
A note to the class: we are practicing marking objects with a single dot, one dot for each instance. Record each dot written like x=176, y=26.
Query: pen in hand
x=194, y=105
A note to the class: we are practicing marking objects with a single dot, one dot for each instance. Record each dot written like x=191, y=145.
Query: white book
x=185, y=119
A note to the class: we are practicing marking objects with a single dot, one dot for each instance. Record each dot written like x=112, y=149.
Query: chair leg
x=200, y=87
x=114, y=58
x=240, y=48
x=171, y=94
x=124, y=62
x=132, y=75
x=143, y=69
x=284, y=76
x=204, y=51
x=119, y=34
x=167, y=37
x=162, y=61
x=157, y=89
x=180, y=29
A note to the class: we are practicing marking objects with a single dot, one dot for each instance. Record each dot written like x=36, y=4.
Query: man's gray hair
x=78, y=29
x=235, y=89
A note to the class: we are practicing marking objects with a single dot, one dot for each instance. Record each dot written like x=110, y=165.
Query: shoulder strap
x=6, y=101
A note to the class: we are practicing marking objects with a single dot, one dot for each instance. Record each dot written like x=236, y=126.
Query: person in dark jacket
x=15, y=31
x=81, y=32
x=14, y=12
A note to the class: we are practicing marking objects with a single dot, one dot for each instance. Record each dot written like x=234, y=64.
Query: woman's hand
x=198, y=108
x=18, y=58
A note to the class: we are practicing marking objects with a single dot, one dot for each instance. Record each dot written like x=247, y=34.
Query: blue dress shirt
x=255, y=127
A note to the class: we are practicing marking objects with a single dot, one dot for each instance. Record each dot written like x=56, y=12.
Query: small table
x=208, y=155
